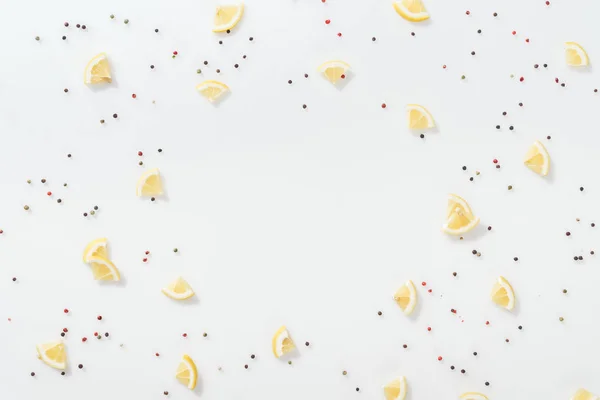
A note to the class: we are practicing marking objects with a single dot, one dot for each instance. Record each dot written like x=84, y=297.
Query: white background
x=309, y=218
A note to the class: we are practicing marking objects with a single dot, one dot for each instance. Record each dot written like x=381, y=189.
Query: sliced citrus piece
x=406, y=297
x=95, y=248
x=53, y=354
x=419, y=117
x=473, y=396
x=582, y=394
x=149, y=184
x=537, y=159
x=459, y=217
x=503, y=294
x=179, y=289
x=103, y=269
x=187, y=372
x=97, y=70
x=282, y=342
x=576, y=55
x=334, y=70
x=212, y=90
x=411, y=10
x=227, y=17
x=396, y=389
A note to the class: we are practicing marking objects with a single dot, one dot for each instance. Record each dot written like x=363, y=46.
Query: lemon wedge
x=334, y=70
x=187, y=372
x=212, y=90
x=419, y=117
x=537, y=159
x=282, y=343
x=406, y=297
x=582, y=394
x=396, y=389
x=95, y=248
x=103, y=269
x=149, y=184
x=411, y=10
x=227, y=17
x=503, y=294
x=459, y=217
x=576, y=55
x=53, y=354
x=97, y=70
x=473, y=396
x=179, y=289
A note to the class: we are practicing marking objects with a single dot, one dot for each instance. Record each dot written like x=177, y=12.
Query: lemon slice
x=473, y=396
x=227, y=17
x=334, y=70
x=179, y=289
x=583, y=394
x=396, y=389
x=97, y=70
x=419, y=117
x=282, y=342
x=149, y=184
x=103, y=269
x=503, y=294
x=411, y=10
x=576, y=55
x=53, y=354
x=212, y=90
x=95, y=248
x=459, y=217
x=187, y=372
x=537, y=159
x=406, y=297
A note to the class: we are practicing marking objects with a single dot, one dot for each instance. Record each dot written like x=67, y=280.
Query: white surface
x=309, y=218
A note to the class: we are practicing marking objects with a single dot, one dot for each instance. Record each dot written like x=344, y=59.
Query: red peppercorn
x=156, y=354
x=440, y=358
x=514, y=32
x=343, y=76
x=495, y=161
x=144, y=259
x=140, y=153
x=423, y=283
x=84, y=339
x=527, y=40
x=65, y=330
x=430, y=290
x=134, y=95
x=175, y=53
x=49, y=193
x=383, y=105
x=468, y=12
x=547, y=3
x=327, y=21
x=99, y=317
x=339, y=34
x=1, y=231
x=444, y=66
x=556, y=80
x=147, y=252
x=521, y=79
x=323, y=1
x=429, y=329
x=66, y=310
x=95, y=333
x=184, y=335
x=487, y=322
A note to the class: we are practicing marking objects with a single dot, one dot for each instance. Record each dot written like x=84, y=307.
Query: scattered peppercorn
x=33, y=374
x=80, y=366
x=63, y=373
x=462, y=371
x=379, y=313
x=205, y=334
x=452, y=367
x=126, y=21
x=64, y=38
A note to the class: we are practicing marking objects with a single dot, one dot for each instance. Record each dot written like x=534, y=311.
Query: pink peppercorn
x=429, y=329
x=430, y=290
x=440, y=358
x=49, y=193
x=184, y=335
x=327, y=21
x=514, y=32
x=84, y=339
x=66, y=310
x=383, y=105
x=156, y=354
x=144, y=259
x=339, y=34
x=495, y=161
x=147, y=252
x=343, y=76
x=521, y=79
x=65, y=330
x=527, y=40
x=547, y=3
x=134, y=95
x=487, y=322
x=99, y=317
x=423, y=283
x=140, y=153
x=468, y=12
x=175, y=53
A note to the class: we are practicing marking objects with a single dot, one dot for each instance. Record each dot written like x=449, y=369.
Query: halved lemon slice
x=576, y=55
x=406, y=297
x=149, y=184
x=212, y=90
x=537, y=159
x=459, y=217
x=396, y=389
x=187, y=372
x=97, y=70
x=53, y=354
x=179, y=289
x=473, y=396
x=227, y=17
x=412, y=10
x=503, y=294
x=582, y=394
x=419, y=117
x=282, y=342
x=334, y=70
x=95, y=248
x=103, y=269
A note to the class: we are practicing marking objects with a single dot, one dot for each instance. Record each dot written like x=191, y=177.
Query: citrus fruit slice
x=503, y=294
x=396, y=389
x=179, y=289
x=411, y=10
x=582, y=394
x=187, y=372
x=97, y=70
x=459, y=217
x=95, y=248
x=227, y=17
x=419, y=117
x=537, y=159
x=473, y=396
x=576, y=55
x=149, y=184
x=334, y=70
x=282, y=343
x=53, y=354
x=406, y=297
x=103, y=269
x=212, y=90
